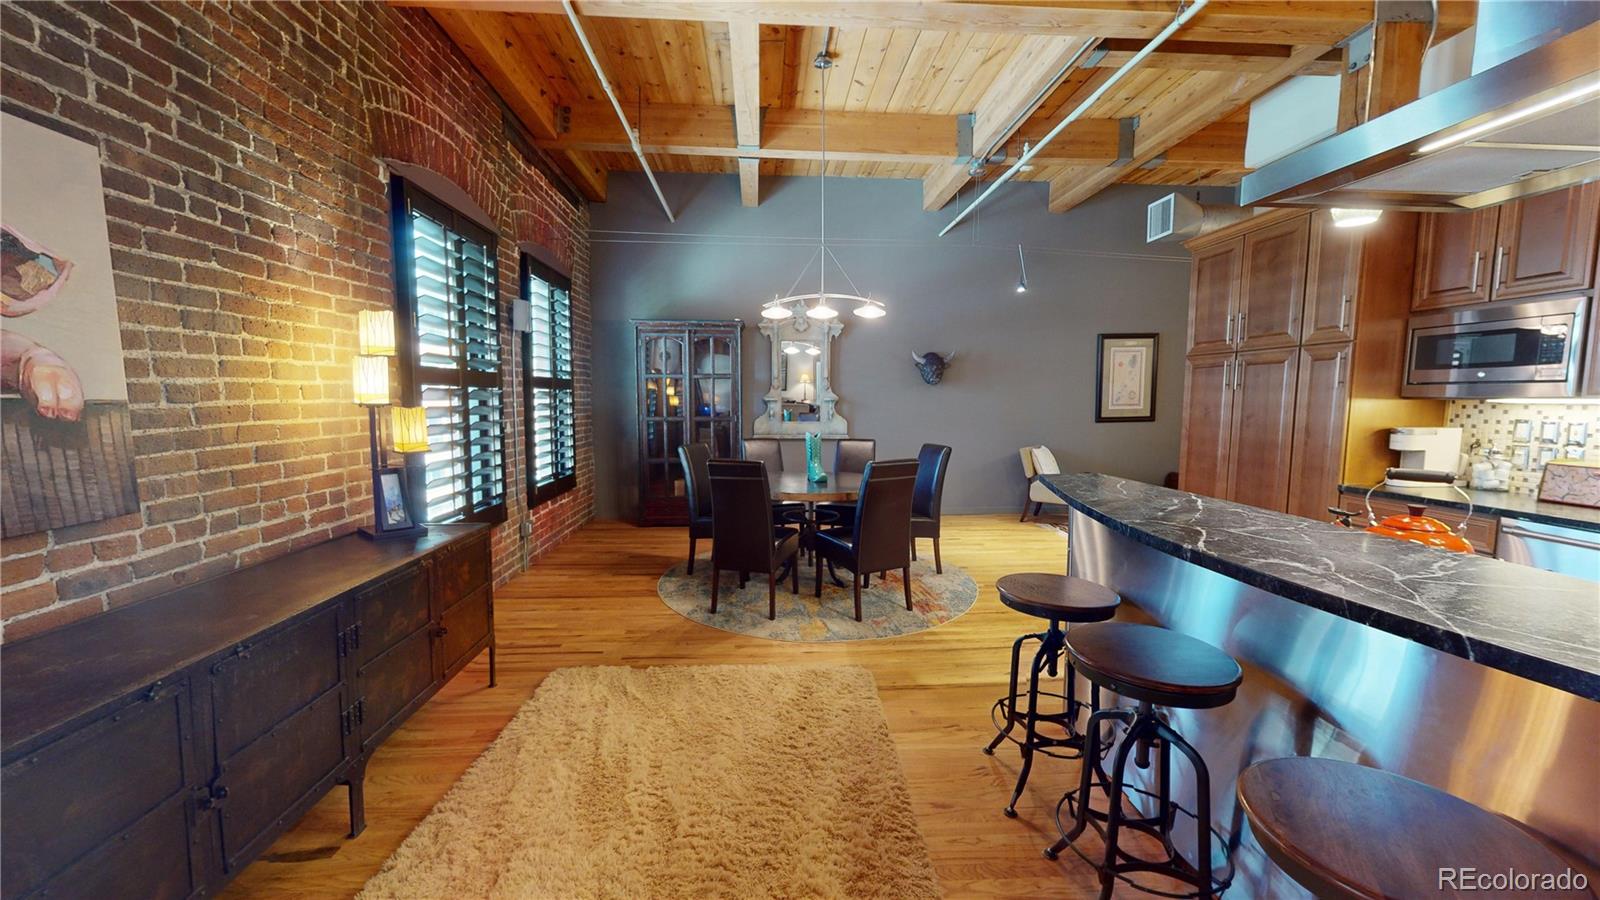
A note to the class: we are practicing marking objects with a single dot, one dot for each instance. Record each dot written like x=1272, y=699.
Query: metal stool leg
x=1135, y=735
x=1090, y=766
x=1049, y=648
x=1011, y=720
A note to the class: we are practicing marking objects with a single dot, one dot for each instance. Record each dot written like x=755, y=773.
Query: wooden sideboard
x=157, y=749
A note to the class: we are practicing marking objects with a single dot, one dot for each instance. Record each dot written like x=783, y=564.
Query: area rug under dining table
x=678, y=781
x=936, y=598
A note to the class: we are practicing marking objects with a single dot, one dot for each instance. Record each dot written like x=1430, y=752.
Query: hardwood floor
x=593, y=602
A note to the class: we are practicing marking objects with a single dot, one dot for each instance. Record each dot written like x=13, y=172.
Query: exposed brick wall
x=241, y=148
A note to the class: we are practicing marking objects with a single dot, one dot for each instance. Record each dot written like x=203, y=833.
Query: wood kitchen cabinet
x=1524, y=248
x=1453, y=251
x=1546, y=243
x=1207, y=423
x=1279, y=426
x=1321, y=410
x=1262, y=426
x=1214, y=296
x=1272, y=286
x=1332, y=265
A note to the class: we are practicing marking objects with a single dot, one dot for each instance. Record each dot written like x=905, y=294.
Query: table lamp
x=391, y=512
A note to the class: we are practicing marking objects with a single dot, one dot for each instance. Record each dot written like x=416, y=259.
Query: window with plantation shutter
x=547, y=373
x=450, y=357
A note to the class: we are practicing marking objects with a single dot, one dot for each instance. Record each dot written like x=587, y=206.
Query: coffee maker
x=1436, y=449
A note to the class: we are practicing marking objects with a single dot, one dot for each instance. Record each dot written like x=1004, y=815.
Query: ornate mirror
x=801, y=399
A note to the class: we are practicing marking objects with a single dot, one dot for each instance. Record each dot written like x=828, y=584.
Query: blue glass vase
x=814, y=471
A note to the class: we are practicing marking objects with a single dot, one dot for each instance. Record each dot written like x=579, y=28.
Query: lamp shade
x=410, y=429
x=377, y=332
x=370, y=377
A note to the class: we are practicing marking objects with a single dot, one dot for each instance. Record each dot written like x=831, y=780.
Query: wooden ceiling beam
x=1036, y=67
x=744, y=58
x=524, y=89
x=1298, y=22
x=911, y=138
x=1197, y=102
x=1213, y=56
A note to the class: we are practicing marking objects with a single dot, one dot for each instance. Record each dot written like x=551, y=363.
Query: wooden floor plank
x=593, y=602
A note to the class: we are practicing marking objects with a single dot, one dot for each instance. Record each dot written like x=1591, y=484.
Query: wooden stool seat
x=1350, y=831
x=1059, y=598
x=1144, y=662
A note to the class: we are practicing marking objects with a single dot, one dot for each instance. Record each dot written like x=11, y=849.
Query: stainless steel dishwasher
x=1557, y=548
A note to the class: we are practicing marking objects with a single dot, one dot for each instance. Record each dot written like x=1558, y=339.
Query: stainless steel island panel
x=1317, y=684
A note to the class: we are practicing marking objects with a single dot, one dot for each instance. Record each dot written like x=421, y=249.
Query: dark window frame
x=403, y=197
x=538, y=494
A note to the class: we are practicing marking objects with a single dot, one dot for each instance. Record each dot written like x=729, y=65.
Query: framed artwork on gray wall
x=1125, y=378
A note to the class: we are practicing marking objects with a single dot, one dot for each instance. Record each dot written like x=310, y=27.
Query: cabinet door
x=390, y=611
x=1455, y=251
x=464, y=628
x=1547, y=243
x=1214, y=296
x=1263, y=427
x=106, y=810
x=1331, y=273
x=1322, y=401
x=279, y=718
x=1207, y=408
x=1273, y=289
x=391, y=684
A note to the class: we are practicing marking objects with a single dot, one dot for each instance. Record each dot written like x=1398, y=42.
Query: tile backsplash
x=1529, y=433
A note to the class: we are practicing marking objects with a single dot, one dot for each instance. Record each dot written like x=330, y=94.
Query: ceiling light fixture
x=813, y=350
x=1353, y=218
x=1022, y=264
x=814, y=305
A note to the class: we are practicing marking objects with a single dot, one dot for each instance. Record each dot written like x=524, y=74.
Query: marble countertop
x=1492, y=503
x=1532, y=623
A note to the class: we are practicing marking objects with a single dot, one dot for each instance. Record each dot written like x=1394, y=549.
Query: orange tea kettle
x=1415, y=526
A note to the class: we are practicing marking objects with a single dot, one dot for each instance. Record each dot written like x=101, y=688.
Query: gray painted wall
x=1027, y=361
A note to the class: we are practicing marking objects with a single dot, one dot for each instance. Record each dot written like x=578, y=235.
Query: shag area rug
x=691, y=782
x=935, y=600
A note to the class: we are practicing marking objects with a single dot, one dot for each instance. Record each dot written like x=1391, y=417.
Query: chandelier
x=816, y=304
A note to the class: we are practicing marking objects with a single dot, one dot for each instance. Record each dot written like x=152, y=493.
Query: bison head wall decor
x=932, y=365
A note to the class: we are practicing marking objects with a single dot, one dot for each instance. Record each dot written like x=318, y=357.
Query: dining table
x=797, y=487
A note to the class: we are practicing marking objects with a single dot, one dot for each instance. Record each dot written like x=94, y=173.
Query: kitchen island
x=1477, y=676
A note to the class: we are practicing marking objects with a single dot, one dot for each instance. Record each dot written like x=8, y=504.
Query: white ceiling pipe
x=605, y=84
x=1178, y=22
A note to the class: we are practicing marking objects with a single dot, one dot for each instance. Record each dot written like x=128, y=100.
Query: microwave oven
x=1513, y=348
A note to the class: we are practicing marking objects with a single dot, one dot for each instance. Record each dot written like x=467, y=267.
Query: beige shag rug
x=692, y=782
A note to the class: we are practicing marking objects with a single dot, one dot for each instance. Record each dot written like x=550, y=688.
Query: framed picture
x=394, y=514
x=1125, y=378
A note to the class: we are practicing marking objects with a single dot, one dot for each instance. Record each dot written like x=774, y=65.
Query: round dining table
x=795, y=487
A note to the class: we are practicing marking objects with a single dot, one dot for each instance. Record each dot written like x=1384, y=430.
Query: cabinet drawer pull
x=441, y=632
x=1477, y=263
x=1227, y=330
x=1500, y=265
x=1344, y=309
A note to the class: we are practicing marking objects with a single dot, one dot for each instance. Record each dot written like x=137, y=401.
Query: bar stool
x=1060, y=599
x=1348, y=831
x=1159, y=669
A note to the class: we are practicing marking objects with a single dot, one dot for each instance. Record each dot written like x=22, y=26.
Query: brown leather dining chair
x=932, y=462
x=742, y=534
x=850, y=455
x=880, y=537
x=767, y=450
x=853, y=454
x=693, y=458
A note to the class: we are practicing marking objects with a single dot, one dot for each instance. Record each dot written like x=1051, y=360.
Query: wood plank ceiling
x=729, y=87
